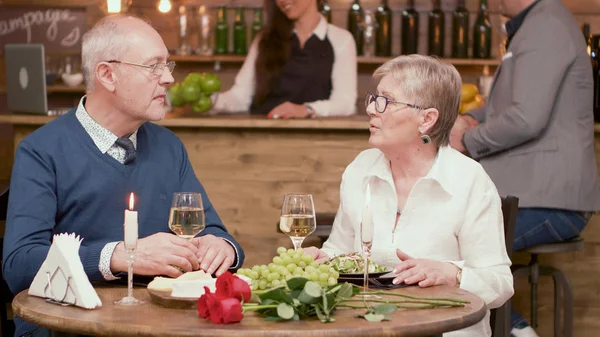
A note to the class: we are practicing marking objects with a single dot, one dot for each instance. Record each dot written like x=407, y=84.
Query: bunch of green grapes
x=289, y=264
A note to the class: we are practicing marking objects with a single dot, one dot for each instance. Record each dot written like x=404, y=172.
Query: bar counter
x=247, y=164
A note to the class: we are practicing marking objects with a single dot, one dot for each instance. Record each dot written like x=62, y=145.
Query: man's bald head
x=110, y=39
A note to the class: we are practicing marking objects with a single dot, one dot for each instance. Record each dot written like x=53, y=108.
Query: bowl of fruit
x=198, y=90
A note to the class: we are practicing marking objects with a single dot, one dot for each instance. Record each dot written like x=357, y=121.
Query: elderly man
x=75, y=174
x=535, y=137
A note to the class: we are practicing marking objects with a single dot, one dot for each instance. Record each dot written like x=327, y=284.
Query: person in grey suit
x=535, y=136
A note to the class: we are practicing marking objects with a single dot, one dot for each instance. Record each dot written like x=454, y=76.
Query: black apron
x=306, y=76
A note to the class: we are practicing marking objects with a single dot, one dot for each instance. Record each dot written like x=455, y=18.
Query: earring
x=426, y=139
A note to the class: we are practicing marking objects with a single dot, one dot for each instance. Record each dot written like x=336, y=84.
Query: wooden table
x=152, y=320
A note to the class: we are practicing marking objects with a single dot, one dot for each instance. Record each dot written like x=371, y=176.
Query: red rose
x=229, y=311
x=203, y=308
x=231, y=286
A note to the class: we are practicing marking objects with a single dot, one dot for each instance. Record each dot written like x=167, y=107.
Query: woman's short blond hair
x=427, y=82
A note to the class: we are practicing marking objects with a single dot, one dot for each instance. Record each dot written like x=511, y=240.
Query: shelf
x=58, y=88
x=360, y=59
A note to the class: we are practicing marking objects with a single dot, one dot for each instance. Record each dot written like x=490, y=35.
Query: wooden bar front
x=247, y=164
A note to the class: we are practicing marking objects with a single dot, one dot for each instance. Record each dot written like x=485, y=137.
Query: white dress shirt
x=341, y=102
x=452, y=214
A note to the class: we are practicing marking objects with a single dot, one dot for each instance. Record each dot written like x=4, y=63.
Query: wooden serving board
x=164, y=299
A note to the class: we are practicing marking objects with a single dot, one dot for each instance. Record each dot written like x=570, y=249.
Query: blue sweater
x=61, y=183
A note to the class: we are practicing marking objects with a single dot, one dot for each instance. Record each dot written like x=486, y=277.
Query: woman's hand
x=426, y=273
x=317, y=254
x=288, y=110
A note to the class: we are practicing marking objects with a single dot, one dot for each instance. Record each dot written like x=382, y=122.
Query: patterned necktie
x=127, y=145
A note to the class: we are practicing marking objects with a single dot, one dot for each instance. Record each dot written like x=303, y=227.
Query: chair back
x=500, y=317
x=8, y=327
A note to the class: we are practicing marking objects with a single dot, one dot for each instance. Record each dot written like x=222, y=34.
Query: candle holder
x=130, y=228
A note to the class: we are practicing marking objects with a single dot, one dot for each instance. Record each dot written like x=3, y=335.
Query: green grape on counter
x=289, y=264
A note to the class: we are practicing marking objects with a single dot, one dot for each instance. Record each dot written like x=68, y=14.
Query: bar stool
x=561, y=283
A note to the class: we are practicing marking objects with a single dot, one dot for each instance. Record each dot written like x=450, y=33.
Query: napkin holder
x=61, y=278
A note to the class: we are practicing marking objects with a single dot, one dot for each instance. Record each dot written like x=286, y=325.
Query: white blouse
x=342, y=100
x=452, y=214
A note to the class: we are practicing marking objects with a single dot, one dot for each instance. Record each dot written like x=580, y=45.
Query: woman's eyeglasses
x=381, y=102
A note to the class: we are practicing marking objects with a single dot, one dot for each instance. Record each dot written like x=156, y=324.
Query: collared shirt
x=342, y=100
x=452, y=214
x=513, y=25
x=105, y=141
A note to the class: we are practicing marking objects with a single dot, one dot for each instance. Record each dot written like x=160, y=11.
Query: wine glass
x=186, y=218
x=297, y=217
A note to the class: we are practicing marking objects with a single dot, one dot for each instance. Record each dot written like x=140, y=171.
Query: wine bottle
x=257, y=23
x=383, y=34
x=325, y=10
x=356, y=17
x=482, y=33
x=460, y=31
x=595, y=57
x=410, y=29
x=240, y=45
x=436, y=30
x=588, y=37
x=222, y=32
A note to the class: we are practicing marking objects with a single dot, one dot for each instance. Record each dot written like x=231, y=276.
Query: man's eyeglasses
x=156, y=68
x=381, y=102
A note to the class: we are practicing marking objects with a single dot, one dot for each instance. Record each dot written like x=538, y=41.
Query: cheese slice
x=192, y=288
x=161, y=284
x=195, y=275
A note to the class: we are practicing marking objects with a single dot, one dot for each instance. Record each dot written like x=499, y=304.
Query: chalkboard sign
x=59, y=29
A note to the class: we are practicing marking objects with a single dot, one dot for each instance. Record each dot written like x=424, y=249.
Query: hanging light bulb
x=117, y=6
x=164, y=6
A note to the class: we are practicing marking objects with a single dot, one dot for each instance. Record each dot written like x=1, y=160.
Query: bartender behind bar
x=298, y=66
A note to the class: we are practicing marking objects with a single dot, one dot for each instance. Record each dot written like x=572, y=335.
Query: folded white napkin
x=62, y=278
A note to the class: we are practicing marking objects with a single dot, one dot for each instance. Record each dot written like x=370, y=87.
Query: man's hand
x=214, y=254
x=426, y=273
x=288, y=110
x=463, y=124
x=156, y=255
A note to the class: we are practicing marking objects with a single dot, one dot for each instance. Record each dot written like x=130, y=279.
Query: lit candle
x=131, y=225
x=367, y=220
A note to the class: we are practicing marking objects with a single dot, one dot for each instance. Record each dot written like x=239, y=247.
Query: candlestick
x=130, y=229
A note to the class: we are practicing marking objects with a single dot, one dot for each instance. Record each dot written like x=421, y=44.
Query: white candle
x=366, y=231
x=131, y=225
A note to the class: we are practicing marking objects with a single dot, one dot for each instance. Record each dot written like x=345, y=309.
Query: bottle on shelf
x=587, y=36
x=204, y=26
x=240, y=45
x=482, y=33
x=325, y=10
x=369, y=34
x=410, y=29
x=460, y=31
x=595, y=56
x=356, y=18
x=383, y=33
x=485, y=83
x=436, y=31
x=257, y=22
x=222, y=32
x=184, y=31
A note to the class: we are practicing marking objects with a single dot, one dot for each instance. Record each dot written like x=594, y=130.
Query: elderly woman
x=437, y=215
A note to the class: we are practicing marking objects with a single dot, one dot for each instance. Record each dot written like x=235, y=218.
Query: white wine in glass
x=186, y=218
x=297, y=217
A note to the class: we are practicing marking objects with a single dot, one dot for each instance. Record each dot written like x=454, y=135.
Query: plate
x=164, y=299
x=361, y=275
